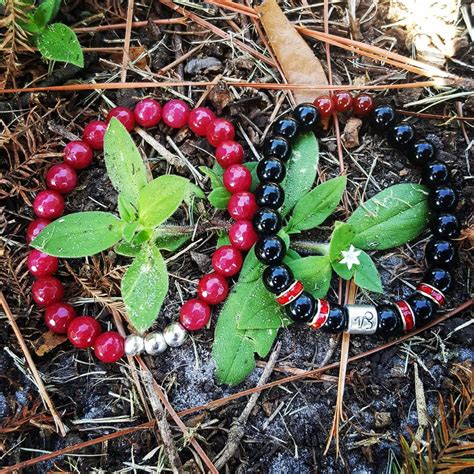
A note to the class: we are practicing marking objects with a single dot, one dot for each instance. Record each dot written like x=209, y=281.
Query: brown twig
x=36, y=375
x=126, y=41
x=237, y=430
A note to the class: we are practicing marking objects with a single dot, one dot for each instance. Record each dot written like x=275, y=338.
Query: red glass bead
x=175, y=113
x=109, y=347
x=35, y=228
x=227, y=261
x=57, y=317
x=47, y=290
x=41, y=264
x=83, y=331
x=242, y=206
x=94, y=133
x=78, y=154
x=242, y=235
x=213, y=288
x=48, y=204
x=220, y=130
x=61, y=178
x=342, y=101
x=229, y=153
x=194, y=314
x=237, y=178
x=363, y=104
x=325, y=105
x=147, y=112
x=124, y=115
x=199, y=119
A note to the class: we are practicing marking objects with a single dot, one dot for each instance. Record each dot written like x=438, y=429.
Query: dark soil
x=288, y=429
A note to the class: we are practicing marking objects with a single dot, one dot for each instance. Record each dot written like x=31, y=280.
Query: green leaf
x=223, y=239
x=126, y=210
x=249, y=303
x=79, y=235
x=59, y=43
x=341, y=238
x=252, y=167
x=46, y=12
x=219, y=198
x=129, y=231
x=314, y=272
x=316, y=206
x=391, y=218
x=144, y=287
x=366, y=274
x=171, y=243
x=216, y=180
x=343, y=271
x=124, y=164
x=142, y=237
x=300, y=170
x=160, y=198
x=127, y=250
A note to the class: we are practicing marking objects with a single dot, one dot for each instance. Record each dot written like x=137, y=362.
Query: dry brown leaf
x=47, y=342
x=350, y=137
x=134, y=53
x=296, y=58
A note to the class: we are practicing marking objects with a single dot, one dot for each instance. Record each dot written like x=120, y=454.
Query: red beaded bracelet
x=212, y=289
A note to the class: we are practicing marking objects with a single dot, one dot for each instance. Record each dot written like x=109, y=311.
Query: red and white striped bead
x=432, y=293
x=290, y=294
x=321, y=315
x=408, y=317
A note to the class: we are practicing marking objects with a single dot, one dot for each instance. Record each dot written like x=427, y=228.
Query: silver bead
x=174, y=334
x=134, y=345
x=362, y=319
x=155, y=343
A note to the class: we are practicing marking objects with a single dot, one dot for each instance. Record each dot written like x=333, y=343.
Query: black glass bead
x=286, y=127
x=267, y=221
x=389, y=323
x=302, y=308
x=382, y=117
x=270, y=249
x=435, y=174
x=446, y=226
x=337, y=319
x=401, y=136
x=440, y=253
x=277, y=278
x=439, y=278
x=271, y=169
x=423, y=308
x=307, y=116
x=421, y=152
x=279, y=147
x=269, y=195
x=443, y=198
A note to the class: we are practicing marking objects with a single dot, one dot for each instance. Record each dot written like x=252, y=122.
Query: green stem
x=318, y=248
x=208, y=226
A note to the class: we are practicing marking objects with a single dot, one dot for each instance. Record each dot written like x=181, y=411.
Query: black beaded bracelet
x=387, y=319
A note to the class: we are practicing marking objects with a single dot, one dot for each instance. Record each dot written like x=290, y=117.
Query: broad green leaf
x=341, y=238
x=219, y=198
x=129, y=231
x=124, y=164
x=194, y=191
x=366, y=274
x=314, y=208
x=171, y=242
x=126, y=210
x=343, y=271
x=233, y=349
x=46, y=12
x=300, y=170
x=80, y=234
x=160, y=198
x=314, y=272
x=144, y=287
x=391, y=218
x=216, y=180
x=59, y=43
x=127, y=250
x=142, y=237
x=223, y=239
x=292, y=255
x=252, y=167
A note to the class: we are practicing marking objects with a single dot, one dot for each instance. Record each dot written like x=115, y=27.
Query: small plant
x=144, y=205
x=27, y=23
x=250, y=319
